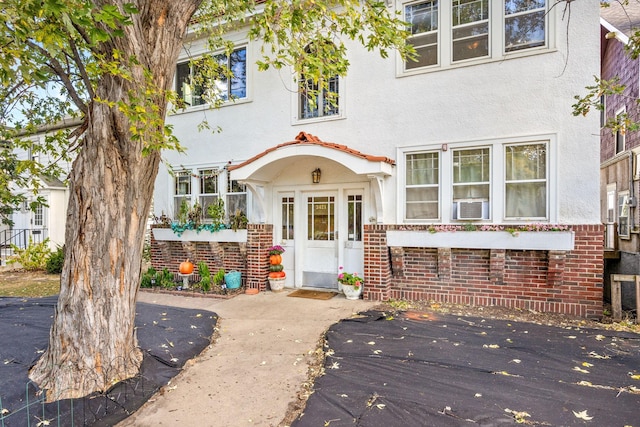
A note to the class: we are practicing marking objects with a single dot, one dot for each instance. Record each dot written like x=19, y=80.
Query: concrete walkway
x=255, y=368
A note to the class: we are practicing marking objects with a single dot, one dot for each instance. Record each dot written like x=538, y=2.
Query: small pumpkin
x=186, y=267
x=275, y=259
x=277, y=274
x=276, y=267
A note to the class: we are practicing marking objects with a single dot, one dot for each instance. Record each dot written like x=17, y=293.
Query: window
x=182, y=192
x=450, y=32
x=287, y=218
x=230, y=83
x=470, y=29
x=471, y=183
x=603, y=111
x=623, y=214
x=321, y=218
x=318, y=98
x=620, y=131
x=524, y=24
x=526, y=181
x=208, y=180
x=423, y=25
x=318, y=102
x=502, y=180
x=38, y=215
x=422, y=189
x=354, y=221
x=236, y=197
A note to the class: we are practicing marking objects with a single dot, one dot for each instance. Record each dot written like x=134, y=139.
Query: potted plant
x=351, y=284
x=276, y=269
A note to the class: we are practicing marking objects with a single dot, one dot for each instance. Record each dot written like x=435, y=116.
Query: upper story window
x=450, y=32
x=318, y=97
x=470, y=29
x=230, y=82
x=524, y=24
x=500, y=181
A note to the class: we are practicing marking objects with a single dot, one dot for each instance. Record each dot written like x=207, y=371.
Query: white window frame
x=206, y=173
x=178, y=196
x=248, y=75
x=624, y=211
x=296, y=106
x=544, y=180
x=497, y=202
x=496, y=37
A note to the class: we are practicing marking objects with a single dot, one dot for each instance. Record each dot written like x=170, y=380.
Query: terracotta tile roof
x=308, y=139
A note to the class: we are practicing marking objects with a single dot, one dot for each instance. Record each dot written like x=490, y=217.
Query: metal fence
x=98, y=409
x=21, y=238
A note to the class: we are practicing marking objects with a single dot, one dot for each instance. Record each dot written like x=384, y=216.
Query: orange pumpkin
x=277, y=275
x=275, y=259
x=186, y=267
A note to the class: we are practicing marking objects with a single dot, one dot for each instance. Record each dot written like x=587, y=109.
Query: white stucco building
x=479, y=131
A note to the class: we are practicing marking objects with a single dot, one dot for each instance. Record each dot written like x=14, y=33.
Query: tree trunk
x=92, y=342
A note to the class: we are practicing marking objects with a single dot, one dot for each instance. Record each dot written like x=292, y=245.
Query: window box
x=524, y=240
x=167, y=234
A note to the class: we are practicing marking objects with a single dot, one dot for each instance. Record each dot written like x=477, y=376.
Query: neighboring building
x=478, y=131
x=46, y=221
x=620, y=149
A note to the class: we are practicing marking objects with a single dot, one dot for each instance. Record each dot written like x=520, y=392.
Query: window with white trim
x=449, y=32
x=236, y=197
x=208, y=182
x=526, y=181
x=499, y=181
x=182, y=191
x=230, y=83
x=422, y=190
x=318, y=97
x=623, y=214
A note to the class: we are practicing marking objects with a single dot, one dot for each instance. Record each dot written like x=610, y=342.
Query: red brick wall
x=248, y=258
x=551, y=281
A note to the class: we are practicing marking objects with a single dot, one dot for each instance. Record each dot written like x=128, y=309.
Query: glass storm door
x=320, y=241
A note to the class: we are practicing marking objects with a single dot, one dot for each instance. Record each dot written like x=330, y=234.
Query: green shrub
x=205, y=277
x=148, y=279
x=164, y=279
x=33, y=257
x=55, y=261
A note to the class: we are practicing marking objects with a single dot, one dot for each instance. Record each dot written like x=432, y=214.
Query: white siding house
x=479, y=131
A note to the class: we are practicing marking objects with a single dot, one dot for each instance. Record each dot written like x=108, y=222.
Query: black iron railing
x=19, y=237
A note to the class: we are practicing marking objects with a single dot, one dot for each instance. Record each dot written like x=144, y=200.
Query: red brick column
x=259, y=238
x=496, y=266
x=377, y=263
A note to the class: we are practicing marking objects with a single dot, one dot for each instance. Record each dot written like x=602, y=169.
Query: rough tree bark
x=92, y=342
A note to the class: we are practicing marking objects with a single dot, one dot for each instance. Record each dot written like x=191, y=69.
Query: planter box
x=167, y=234
x=524, y=240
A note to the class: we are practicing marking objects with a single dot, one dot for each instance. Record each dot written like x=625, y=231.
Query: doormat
x=305, y=293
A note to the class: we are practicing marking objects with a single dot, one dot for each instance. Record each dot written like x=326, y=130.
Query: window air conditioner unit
x=470, y=209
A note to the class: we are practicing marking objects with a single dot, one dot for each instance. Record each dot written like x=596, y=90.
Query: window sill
x=522, y=240
x=167, y=234
x=298, y=122
x=205, y=107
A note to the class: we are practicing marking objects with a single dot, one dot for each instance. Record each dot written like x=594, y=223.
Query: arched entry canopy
x=260, y=170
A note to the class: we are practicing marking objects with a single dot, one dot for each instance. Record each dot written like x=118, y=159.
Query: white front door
x=320, y=240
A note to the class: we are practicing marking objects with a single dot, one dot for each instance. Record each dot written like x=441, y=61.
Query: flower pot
x=276, y=285
x=351, y=292
x=232, y=279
